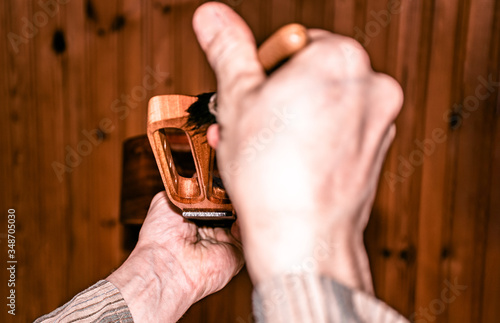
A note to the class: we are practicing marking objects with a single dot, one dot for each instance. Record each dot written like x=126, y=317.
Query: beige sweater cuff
x=307, y=297
x=101, y=302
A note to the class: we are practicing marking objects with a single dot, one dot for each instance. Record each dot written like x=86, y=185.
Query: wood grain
x=78, y=84
x=434, y=195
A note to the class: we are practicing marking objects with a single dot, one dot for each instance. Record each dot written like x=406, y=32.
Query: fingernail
x=207, y=22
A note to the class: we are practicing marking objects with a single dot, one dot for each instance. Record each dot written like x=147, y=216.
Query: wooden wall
x=75, y=78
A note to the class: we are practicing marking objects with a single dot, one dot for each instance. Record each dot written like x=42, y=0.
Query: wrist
x=335, y=251
x=152, y=287
x=347, y=263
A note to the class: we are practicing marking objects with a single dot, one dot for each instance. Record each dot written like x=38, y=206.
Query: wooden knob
x=285, y=42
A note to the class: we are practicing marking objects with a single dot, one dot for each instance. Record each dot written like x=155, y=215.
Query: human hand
x=174, y=264
x=299, y=151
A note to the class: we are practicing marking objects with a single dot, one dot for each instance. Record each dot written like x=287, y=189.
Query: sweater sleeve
x=307, y=297
x=101, y=302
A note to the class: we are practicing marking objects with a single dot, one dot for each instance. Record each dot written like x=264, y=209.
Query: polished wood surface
x=75, y=84
x=192, y=194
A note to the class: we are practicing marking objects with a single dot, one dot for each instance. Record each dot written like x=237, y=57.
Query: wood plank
x=133, y=79
x=188, y=51
x=206, y=77
x=343, y=21
x=310, y=13
x=258, y=16
x=378, y=23
x=328, y=15
x=75, y=24
x=11, y=122
x=242, y=291
x=105, y=162
x=472, y=178
x=282, y=13
x=48, y=50
x=159, y=34
x=24, y=149
x=491, y=279
x=432, y=245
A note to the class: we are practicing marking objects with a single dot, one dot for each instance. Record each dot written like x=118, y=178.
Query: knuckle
x=386, y=98
x=393, y=94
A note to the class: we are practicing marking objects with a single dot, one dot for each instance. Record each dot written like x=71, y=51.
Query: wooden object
x=285, y=42
x=197, y=196
x=439, y=224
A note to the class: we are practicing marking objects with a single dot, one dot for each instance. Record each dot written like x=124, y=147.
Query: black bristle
x=199, y=116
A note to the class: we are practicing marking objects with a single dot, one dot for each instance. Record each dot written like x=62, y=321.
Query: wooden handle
x=285, y=42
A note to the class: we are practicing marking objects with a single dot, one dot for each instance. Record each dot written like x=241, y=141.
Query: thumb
x=230, y=48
